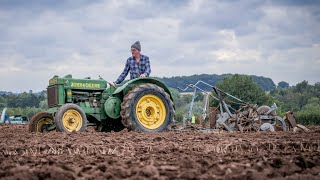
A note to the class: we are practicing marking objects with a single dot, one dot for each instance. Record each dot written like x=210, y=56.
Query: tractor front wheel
x=40, y=122
x=147, y=108
x=70, y=118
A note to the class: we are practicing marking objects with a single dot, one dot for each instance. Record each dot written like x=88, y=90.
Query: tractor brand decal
x=53, y=81
x=85, y=85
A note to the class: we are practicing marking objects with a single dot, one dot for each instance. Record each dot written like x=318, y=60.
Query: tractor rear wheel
x=147, y=108
x=70, y=118
x=40, y=122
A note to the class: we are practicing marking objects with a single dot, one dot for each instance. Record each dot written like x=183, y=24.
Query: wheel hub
x=43, y=124
x=151, y=111
x=72, y=120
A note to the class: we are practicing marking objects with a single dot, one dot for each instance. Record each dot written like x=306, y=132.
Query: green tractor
x=142, y=104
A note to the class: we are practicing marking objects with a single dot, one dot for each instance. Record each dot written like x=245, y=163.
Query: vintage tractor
x=142, y=104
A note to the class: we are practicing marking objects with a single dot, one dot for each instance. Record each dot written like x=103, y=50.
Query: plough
x=247, y=117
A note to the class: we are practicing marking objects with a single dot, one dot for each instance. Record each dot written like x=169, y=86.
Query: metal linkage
x=247, y=118
x=222, y=103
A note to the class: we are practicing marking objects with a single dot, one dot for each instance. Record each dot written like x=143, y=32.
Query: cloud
x=39, y=39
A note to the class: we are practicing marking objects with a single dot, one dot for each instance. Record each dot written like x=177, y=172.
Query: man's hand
x=142, y=75
x=112, y=84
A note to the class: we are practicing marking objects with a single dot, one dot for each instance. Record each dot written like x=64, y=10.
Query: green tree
x=310, y=114
x=303, y=99
x=302, y=87
x=243, y=87
x=3, y=102
x=283, y=85
x=43, y=104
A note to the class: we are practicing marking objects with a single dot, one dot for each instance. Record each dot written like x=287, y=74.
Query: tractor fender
x=123, y=89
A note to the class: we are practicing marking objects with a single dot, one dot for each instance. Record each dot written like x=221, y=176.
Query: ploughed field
x=168, y=155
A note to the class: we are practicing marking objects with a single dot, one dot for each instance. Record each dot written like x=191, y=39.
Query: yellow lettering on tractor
x=84, y=85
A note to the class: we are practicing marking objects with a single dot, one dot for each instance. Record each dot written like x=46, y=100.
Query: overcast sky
x=40, y=39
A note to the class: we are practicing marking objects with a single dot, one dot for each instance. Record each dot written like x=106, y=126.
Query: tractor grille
x=52, y=95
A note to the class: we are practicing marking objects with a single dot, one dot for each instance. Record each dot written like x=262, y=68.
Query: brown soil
x=170, y=155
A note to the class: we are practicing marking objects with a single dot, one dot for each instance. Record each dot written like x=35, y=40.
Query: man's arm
x=148, y=68
x=124, y=74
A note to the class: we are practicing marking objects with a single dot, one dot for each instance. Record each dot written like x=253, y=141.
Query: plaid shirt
x=135, y=68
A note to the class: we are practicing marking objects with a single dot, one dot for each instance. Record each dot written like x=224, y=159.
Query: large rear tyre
x=40, y=122
x=70, y=118
x=147, y=108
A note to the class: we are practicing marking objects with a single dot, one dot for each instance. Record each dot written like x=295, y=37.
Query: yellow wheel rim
x=151, y=111
x=42, y=122
x=72, y=120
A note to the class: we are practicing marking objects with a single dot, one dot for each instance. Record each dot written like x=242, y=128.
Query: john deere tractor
x=142, y=104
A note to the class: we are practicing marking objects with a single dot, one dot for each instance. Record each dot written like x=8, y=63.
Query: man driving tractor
x=138, y=65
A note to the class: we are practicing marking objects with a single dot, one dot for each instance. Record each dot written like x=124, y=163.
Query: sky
x=43, y=38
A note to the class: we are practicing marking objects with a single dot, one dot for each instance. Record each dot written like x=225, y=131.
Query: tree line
x=181, y=81
x=25, y=104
